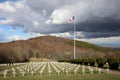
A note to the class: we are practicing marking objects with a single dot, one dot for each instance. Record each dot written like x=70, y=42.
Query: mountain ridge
x=51, y=47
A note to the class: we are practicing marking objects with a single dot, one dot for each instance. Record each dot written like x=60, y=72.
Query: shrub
x=91, y=61
x=119, y=60
x=61, y=60
x=101, y=61
x=113, y=63
x=80, y=61
x=72, y=61
x=76, y=61
x=86, y=61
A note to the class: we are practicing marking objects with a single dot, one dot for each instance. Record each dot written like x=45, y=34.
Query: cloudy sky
x=97, y=21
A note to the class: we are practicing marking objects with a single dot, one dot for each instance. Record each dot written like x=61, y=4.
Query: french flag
x=72, y=19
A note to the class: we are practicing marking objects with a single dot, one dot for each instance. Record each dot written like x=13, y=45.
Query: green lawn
x=102, y=76
x=6, y=67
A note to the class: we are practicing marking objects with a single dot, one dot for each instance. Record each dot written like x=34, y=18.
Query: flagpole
x=74, y=41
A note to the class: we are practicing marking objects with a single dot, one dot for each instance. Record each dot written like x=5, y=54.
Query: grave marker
x=99, y=70
x=108, y=70
x=5, y=73
x=14, y=73
x=91, y=70
x=32, y=72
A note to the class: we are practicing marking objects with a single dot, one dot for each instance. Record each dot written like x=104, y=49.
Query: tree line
x=113, y=63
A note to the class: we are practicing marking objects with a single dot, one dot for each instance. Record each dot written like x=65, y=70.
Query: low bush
x=113, y=63
x=101, y=61
x=92, y=61
x=85, y=61
x=76, y=61
x=61, y=60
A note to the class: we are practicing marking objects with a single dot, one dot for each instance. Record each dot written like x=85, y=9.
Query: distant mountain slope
x=52, y=48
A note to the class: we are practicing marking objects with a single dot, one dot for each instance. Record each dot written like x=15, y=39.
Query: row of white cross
x=50, y=67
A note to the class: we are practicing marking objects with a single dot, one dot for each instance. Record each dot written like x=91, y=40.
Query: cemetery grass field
x=6, y=67
x=54, y=76
x=102, y=76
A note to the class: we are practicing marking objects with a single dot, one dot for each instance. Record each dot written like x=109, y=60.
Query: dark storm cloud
x=90, y=29
x=93, y=26
x=100, y=34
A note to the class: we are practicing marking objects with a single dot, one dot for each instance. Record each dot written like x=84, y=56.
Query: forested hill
x=51, y=47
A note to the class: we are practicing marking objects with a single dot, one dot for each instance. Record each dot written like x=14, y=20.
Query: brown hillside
x=52, y=48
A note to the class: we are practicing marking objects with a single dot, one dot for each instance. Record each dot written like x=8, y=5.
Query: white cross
x=99, y=70
x=5, y=73
x=58, y=72
x=83, y=71
x=14, y=73
x=66, y=71
x=75, y=71
x=32, y=73
x=49, y=72
x=91, y=70
x=107, y=70
x=41, y=72
x=23, y=73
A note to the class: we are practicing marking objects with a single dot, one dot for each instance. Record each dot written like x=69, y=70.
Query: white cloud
x=36, y=23
x=113, y=42
x=65, y=34
x=35, y=35
x=80, y=35
x=15, y=37
x=60, y=16
x=8, y=21
x=7, y=7
x=85, y=9
x=103, y=40
x=20, y=4
x=44, y=12
x=25, y=37
x=69, y=35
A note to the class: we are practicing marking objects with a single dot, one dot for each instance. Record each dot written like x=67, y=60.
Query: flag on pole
x=72, y=19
